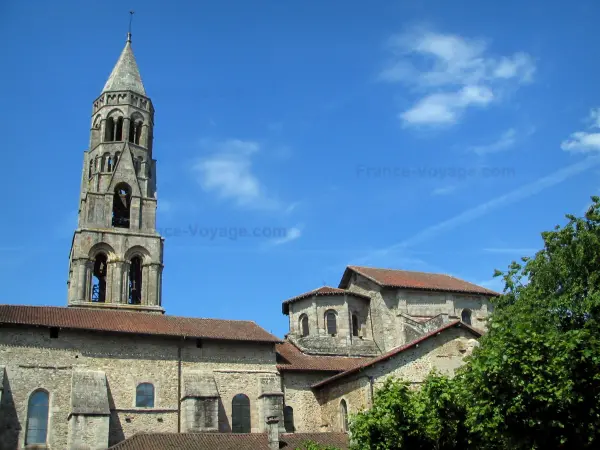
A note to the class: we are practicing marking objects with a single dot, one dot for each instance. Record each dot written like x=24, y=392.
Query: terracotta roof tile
x=324, y=290
x=226, y=441
x=134, y=322
x=292, y=359
x=396, y=351
x=415, y=280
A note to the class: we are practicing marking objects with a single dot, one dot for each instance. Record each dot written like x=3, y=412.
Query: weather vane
x=131, y=13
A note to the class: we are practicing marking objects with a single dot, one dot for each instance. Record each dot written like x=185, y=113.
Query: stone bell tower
x=116, y=257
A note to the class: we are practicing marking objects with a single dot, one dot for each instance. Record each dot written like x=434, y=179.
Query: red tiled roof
x=134, y=322
x=325, y=290
x=291, y=358
x=227, y=441
x=415, y=280
x=396, y=351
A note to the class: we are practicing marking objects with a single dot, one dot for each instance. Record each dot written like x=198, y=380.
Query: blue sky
x=432, y=135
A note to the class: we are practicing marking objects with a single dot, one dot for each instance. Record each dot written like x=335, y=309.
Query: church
x=112, y=369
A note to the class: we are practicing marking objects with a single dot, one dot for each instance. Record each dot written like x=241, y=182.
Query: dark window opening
x=198, y=343
x=53, y=333
x=466, y=316
x=91, y=168
x=109, y=165
x=304, y=325
x=240, y=414
x=119, y=130
x=135, y=281
x=288, y=419
x=135, y=131
x=99, y=279
x=121, y=206
x=109, y=130
x=37, y=418
x=344, y=416
x=355, y=325
x=144, y=395
x=331, y=323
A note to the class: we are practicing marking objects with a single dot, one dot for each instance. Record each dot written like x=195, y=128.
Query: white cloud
x=452, y=72
x=585, y=141
x=446, y=109
x=228, y=173
x=291, y=235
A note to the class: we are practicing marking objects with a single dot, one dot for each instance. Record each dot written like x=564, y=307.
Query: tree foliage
x=534, y=382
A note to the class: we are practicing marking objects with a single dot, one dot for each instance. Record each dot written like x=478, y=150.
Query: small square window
x=53, y=333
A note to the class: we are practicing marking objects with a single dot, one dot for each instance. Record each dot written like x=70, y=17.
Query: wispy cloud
x=585, y=141
x=445, y=190
x=485, y=208
x=452, y=73
x=228, y=173
x=505, y=141
x=291, y=235
x=512, y=251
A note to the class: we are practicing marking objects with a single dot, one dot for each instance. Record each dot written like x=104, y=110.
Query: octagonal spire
x=125, y=76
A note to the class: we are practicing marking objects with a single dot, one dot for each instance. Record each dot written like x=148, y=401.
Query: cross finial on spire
x=130, y=20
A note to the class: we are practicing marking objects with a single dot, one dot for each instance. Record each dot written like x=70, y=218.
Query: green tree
x=535, y=380
x=311, y=445
x=429, y=418
x=533, y=383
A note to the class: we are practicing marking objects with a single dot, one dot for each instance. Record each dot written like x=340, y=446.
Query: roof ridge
x=397, y=351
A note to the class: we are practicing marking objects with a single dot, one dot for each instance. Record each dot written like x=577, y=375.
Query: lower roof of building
x=140, y=323
x=227, y=441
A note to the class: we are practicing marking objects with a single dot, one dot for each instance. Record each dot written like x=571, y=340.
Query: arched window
x=99, y=278
x=343, y=416
x=240, y=414
x=135, y=281
x=117, y=156
x=119, y=129
x=109, y=130
x=135, y=130
x=144, y=395
x=121, y=206
x=331, y=322
x=109, y=164
x=37, y=418
x=104, y=162
x=304, y=325
x=91, y=168
x=288, y=419
x=355, y=325
x=466, y=316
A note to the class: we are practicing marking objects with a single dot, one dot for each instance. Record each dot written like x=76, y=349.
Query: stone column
x=126, y=125
x=152, y=284
x=144, y=136
x=116, y=287
x=81, y=269
x=125, y=282
x=273, y=432
x=145, y=284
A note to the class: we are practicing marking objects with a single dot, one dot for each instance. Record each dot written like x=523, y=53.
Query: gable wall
x=444, y=353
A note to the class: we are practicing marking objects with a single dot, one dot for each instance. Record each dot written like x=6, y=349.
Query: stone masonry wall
x=387, y=306
x=444, y=353
x=298, y=395
x=33, y=360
